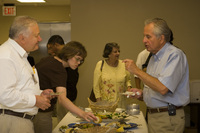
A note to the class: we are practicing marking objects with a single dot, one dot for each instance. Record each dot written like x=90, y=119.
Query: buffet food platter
x=136, y=124
x=116, y=126
x=107, y=122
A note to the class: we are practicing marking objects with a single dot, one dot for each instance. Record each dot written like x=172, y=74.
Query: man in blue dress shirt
x=166, y=81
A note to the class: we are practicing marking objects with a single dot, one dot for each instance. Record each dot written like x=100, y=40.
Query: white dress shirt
x=18, y=81
x=141, y=58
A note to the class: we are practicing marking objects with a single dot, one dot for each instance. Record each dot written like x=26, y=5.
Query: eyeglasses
x=79, y=60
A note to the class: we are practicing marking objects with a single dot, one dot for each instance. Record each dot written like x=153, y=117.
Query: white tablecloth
x=138, y=119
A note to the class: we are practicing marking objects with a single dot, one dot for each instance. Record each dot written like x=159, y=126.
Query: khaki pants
x=163, y=123
x=43, y=122
x=14, y=124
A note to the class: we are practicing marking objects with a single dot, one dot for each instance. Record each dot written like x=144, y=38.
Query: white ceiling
x=48, y=2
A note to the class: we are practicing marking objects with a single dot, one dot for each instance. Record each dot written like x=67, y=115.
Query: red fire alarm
x=9, y=10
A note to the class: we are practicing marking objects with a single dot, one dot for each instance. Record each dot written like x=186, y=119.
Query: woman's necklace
x=112, y=64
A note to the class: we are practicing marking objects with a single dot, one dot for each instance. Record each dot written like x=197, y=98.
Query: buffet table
x=138, y=119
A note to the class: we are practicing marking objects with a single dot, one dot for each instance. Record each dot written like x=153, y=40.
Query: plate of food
x=125, y=125
x=83, y=125
x=130, y=125
x=66, y=129
x=97, y=129
x=63, y=128
x=109, y=116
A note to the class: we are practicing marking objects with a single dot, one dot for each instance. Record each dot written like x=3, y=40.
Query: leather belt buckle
x=26, y=116
x=157, y=110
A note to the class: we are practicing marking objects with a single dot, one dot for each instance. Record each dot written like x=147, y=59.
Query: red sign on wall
x=9, y=10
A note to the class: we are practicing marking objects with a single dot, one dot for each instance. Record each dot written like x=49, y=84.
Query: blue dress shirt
x=169, y=65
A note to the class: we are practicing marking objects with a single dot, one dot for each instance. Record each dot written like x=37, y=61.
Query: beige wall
x=96, y=22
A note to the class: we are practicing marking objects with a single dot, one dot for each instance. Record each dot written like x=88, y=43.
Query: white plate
x=128, y=93
x=119, y=110
x=88, y=110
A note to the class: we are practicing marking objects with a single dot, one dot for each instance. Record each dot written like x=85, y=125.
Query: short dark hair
x=71, y=49
x=108, y=48
x=56, y=39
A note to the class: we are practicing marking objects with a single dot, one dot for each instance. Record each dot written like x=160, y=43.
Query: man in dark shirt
x=72, y=81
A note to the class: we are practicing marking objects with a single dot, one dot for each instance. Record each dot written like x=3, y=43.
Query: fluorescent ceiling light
x=31, y=1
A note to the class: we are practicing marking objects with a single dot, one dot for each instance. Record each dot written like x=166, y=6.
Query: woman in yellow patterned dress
x=112, y=78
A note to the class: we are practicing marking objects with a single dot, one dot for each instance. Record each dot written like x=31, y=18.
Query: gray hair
x=160, y=28
x=21, y=25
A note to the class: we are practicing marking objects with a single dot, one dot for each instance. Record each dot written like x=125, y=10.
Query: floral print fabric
x=111, y=81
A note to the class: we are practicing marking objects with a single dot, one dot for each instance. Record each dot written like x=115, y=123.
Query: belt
x=10, y=112
x=157, y=110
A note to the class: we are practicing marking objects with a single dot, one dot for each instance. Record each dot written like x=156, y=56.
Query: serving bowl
x=133, y=111
x=132, y=106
